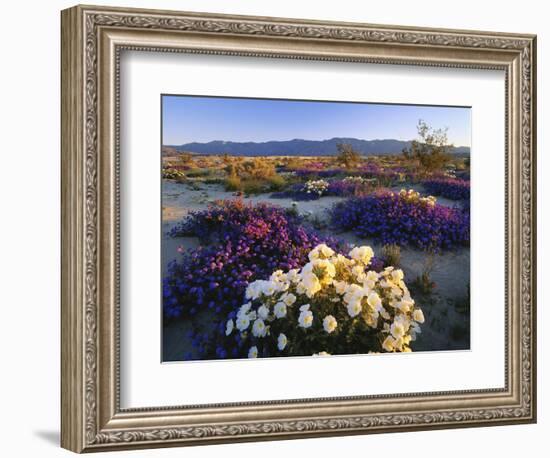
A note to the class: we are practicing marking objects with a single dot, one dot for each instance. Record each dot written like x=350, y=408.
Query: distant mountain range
x=299, y=147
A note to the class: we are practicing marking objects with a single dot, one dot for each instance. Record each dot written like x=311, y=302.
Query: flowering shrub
x=295, y=192
x=413, y=196
x=318, y=187
x=355, y=180
x=404, y=218
x=248, y=242
x=332, y=305
x=317, y=172
x=311, y=190
x=451, y=188
x=350, y=186
x=172, y=173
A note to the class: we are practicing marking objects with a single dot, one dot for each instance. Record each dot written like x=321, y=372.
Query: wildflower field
x=313, y=255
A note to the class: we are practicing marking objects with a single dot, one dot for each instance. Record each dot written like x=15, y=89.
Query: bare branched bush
x=347, y=156
x=432, y=148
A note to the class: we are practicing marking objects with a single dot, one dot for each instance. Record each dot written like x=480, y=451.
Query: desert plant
x=451, y=188
x=241, y=243
x=404, y=218
x=255, y=186
x=392, y=254
x=332, y=305
x=233, y=183
x=424, y=281
x=431, y=149
x=318, y=187
x=185, y=158
x=172, y=174
x=276, y=183
x=347, y=156
x=198, y=173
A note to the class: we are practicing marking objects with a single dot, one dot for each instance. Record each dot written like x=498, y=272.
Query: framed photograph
x=279, y=228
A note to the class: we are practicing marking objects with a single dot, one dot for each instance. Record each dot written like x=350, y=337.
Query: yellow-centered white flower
x=279, y=310
x=362, y=254
x=243, y=322
x=258, y=328
x=288, y=299
x=281, y=342
x=229, y=327
x=263, y=312
x=354, y=308
x=418, y=316
x=329, y=324
x=305, y=319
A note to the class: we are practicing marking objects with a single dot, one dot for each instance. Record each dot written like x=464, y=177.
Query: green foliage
x=347, y=156
x=276, y=183
x=233, y=183
x=173, y=174
x=431, y=150
x=254, y=186
x=185, y=158
x=198, y=173
x=424, y=282
x=392, y=254
x=258, y=168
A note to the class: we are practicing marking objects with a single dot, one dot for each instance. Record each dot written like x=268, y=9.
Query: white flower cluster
x=358, y=180
x=316, y=187
x=330, y=295
x=413, y=196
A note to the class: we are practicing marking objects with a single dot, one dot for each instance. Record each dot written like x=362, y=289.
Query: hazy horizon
x=301, y=139
x=199, y=119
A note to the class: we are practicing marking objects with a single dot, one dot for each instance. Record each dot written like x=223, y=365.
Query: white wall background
x=29, y=229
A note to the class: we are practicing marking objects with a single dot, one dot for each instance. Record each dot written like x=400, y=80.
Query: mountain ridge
x=301, y=147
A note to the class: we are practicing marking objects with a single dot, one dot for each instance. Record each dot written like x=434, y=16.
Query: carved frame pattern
x=81, y=108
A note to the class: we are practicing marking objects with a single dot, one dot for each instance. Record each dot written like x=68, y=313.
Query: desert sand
x=445, y=327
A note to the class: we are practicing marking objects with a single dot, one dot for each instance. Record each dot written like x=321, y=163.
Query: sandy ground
x=446, y=309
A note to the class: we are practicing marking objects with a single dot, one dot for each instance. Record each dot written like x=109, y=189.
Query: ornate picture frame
x=92, y=41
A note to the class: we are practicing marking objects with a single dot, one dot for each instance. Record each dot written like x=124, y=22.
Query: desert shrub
x=424, y=282
x=255, y=186
x=384, y=176
x=451, y=188
x=431, y=150
x=292, y=163
x=318, y=187
x=392, y=254
x=315, y=189
x=276, y=183
x=258, y=168
x=347, y=156
x=233, y=183
x=350, y=186
x=247, y=242
x=295, y=192
x=198, y=172
x=172, y=173
x=331, y=305
x=404, y=218
x=311, y=190
x=185, y=158
x=310, y=173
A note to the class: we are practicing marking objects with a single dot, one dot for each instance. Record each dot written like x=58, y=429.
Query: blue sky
x=202, y=119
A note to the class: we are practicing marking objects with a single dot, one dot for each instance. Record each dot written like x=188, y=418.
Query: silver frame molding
x=92, y=40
